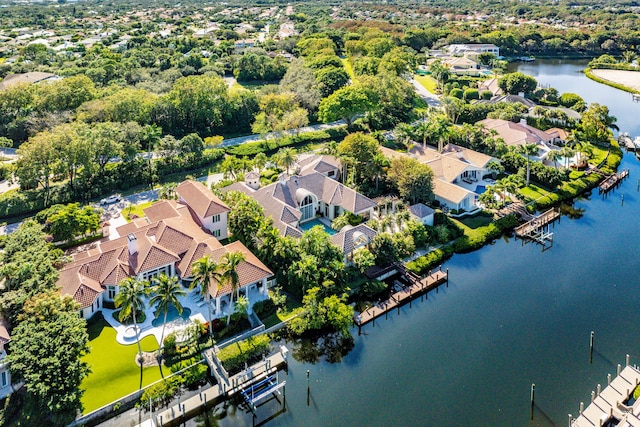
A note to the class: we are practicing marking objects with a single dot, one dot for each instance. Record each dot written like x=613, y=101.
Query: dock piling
x=581, y=407
x=591, y=347
x=608, y=379
x=593, y=396
x=598, y=390
x=619, y=369
x=447, y=277
x=533, y=395
x=627, y=360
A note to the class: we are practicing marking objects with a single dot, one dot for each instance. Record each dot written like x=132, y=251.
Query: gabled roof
x=318, y=163
x=351, y=237
x=171, y=235
x=281, y=200
x=199, y=198
x=516, y=133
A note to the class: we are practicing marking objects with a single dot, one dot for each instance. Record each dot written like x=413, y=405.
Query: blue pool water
x=172, y=314
x=312, y=223
x=480, y=189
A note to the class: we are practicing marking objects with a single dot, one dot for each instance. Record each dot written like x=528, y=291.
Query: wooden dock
x=613, y=181
x=626, y=142
x=537, y=229
x=238, y=383
x=417, y=287
x=609, y=403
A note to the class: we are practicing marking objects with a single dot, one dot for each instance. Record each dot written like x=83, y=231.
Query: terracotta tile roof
x=84, y=289
x=161, y=210
x=4, y=332
x=175, y=239
x=200, y=199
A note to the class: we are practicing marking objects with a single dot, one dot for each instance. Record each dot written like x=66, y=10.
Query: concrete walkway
x=430, y=98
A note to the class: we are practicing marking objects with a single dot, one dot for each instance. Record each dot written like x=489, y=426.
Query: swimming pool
x=480, y=189
x=172, y=314
x=308, y=225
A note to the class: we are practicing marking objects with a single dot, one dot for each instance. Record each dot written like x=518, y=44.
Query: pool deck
x=125, y=334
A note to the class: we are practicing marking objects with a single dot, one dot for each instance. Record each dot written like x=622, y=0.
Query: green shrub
x=169, y=344
x=486, y=94
x=264, y=308
x=456, y=93
x=234, y=356
x=162, y=392
x=423, y=264
x=470, y=94
x=195, y=375
x=271, y=146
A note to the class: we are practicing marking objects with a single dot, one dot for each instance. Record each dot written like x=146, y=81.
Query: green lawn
x=476, y=221
x=426, y=81
x=114, y=373
x=137, y=210
x=292, y=307
x=347, y=66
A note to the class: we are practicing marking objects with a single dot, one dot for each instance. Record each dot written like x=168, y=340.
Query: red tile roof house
x=168, y=240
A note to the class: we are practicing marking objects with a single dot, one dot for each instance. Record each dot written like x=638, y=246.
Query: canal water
x=511, y=316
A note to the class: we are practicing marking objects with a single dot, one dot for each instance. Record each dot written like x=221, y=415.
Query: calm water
x=511, y=316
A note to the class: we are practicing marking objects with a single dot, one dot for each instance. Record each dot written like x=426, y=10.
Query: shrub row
x=234, y=356
x=270, y=146
x=462, y=244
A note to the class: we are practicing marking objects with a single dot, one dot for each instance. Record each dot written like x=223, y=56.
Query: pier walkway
x=608, y=403
x=537, y=229
x=417, y=287
x=238, y=383
x=613, y=181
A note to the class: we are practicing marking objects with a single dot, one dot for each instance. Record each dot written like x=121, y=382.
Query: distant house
x=491, y=85
x=515, y=134
x=422, y=213
x=510, y=99
x=471, y=50
x=328, y=166
x=462, y=65
x=458, y=172
x=5, y=376
x=32, y=77
x=171, y=236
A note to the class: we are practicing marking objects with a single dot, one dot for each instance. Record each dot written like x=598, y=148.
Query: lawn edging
x=121, y=405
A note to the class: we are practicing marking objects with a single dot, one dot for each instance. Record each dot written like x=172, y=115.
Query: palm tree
x=629, y=56
x=230, y=262
x=151, y=134
x=168, y=191
x=567, y=152
x=495, y=167
x=585, y=151
x=379, y=162
x=129, y=297
x=422, y=130
x=527, y=150
x=166, y=290
x=330, y=148
x=206, y=272
x=404, y=132
x=553, y=156
x=287, y=157
x=260, y=161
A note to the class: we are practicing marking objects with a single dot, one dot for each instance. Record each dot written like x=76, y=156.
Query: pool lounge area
x=308, y=225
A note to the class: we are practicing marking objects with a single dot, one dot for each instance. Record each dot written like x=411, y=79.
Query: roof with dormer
x=199, y=198
x=168, y=235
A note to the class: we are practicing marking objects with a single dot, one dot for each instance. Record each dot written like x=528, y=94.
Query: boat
x=636, y=142
x=526, y=58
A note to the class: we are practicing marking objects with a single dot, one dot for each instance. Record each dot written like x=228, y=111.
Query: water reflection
x=331, y=348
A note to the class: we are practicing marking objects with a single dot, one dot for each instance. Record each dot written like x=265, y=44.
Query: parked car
x=111, y=199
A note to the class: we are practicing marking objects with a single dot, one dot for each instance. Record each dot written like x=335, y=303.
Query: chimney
x=133, y=244
x=521, y=94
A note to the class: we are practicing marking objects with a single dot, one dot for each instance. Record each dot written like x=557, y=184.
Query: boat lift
x=263, y=388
